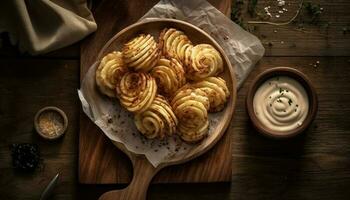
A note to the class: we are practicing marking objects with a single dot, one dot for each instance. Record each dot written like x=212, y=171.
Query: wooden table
x=315, y=165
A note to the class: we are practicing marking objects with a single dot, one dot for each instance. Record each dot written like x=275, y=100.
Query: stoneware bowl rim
x=303, y=80
x=57, y=111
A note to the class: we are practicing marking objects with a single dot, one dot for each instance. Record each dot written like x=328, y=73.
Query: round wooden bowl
x=143, y=170
x=298, y=76
x=57, y=112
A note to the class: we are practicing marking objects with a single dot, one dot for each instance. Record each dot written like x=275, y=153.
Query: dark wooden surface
x=100, y=162
x=315, y=165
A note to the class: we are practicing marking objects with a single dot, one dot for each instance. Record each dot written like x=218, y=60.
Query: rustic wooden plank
x=314, y=40
x=99, y=161
x=312, y=166
x=287, y=41
x=25, y=87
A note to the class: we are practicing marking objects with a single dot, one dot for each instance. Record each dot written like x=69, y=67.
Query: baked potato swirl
x=205, y=61
x=136, y=91
x=174, y=43
x=109, y=72
x=141, y=53
x=158, y=120
x=216, y=91
x=169, y=75
x=190, y=106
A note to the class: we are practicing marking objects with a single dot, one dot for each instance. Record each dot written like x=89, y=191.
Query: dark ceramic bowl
x=296, y=75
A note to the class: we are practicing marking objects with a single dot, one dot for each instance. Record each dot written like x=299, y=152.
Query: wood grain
x=25, y=87
x=110, y=167
x=137, y=190
x=314, y=166
x=312, y=40
x=285, y=40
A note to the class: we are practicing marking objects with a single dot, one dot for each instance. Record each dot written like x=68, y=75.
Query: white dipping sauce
x=281, y=104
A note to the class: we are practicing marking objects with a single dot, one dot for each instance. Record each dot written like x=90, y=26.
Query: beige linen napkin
x=40, y=26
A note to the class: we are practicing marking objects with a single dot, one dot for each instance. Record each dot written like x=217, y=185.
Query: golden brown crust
x=141, y=53
x=205, y=61
x=216, y=90
x=174, y=44
x=136, y=91
x=109, y=73
x=169, y=75
x=190, y=106
x=158, y=120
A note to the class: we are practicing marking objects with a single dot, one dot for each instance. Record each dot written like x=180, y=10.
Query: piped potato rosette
x=169, y=75
x=175, y=44
x=141, y=53
x=205, y=61
x=136, y=91
x=158, y=120
x=216, y=90
x=169, y=86
x=190, y=106
x=109, y=73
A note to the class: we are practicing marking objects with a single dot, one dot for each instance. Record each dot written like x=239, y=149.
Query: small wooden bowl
x=56, y=111
x=292, y=73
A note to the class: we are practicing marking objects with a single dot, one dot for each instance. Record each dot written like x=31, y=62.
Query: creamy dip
x=281, y=104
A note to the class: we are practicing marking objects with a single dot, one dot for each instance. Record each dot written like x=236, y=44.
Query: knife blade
x=49, y=188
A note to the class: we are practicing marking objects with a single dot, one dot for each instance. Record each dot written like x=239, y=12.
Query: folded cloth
x=40, y=26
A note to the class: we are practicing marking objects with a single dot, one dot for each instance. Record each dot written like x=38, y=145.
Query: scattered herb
x=295, y=110
x=290, y=101
x=313, y=10
x=297, y=105
x=278, y=24
x=252, y=7
x=236, y=12
x=270, y=105
x=281, y=90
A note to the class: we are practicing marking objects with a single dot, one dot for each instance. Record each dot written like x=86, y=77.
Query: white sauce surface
x=281, y=104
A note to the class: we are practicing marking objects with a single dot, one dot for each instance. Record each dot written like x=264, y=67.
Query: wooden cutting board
x=100, y=162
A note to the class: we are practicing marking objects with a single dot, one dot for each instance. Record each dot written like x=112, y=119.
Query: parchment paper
x=242, y=48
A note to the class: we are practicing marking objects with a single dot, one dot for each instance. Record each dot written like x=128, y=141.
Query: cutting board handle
x=137, y=189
